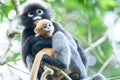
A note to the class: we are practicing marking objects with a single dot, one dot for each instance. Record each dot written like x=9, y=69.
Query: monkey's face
x=32, y=13
x=44, y=28
x=35, y=15
x=48, y=27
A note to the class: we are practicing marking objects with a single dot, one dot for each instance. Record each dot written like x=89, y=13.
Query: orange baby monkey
x=44, y=28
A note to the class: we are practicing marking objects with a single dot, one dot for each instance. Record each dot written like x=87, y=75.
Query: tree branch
x=16, y=68
x=16, y=4
x=114, y=78
x=10, y=34
x=4, y=62
x=105, y=64
x=93, y=45
x=7, y=50
x=115, y=51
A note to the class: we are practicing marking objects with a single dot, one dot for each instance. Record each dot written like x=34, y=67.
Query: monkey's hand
x=52, y=61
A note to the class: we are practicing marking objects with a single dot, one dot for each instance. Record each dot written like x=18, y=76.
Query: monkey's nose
x=37, y=18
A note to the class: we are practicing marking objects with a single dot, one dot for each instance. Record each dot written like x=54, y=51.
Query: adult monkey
x=30, y=15
x=61, y=46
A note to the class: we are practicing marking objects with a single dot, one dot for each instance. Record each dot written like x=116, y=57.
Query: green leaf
x=17, y=37
x=107, y=4
x=13, y=57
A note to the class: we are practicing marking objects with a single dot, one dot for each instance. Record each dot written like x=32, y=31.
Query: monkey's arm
x=26, y=49
x=65, y=50
x=27, y=55
x=40, y=44
x=46, y=43
x=58, y=27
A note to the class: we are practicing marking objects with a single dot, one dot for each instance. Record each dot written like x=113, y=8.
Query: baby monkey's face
x=44, y=28
x=48, y=27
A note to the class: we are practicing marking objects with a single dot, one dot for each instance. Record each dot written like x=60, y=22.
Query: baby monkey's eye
x=44, y=26
x=48, y=24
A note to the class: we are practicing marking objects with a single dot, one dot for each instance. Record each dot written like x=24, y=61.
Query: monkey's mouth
x=37, y=19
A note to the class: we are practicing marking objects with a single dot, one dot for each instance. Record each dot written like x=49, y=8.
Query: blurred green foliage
x=84, y=20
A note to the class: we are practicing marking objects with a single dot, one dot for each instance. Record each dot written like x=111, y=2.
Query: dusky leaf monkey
x=30, y=15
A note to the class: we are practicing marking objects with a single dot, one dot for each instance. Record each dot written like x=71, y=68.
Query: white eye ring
x=30, y=14
x=44, y=27
x=39, y=11
x=48, y=24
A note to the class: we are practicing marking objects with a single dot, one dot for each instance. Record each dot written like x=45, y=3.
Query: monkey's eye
x=39, y=11
x=49, y=24
x=30, y=14
x=45, y=26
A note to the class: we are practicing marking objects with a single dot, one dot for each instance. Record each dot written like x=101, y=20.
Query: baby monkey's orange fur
x=41, y=32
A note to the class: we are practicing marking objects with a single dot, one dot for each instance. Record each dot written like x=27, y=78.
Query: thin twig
x=114, y=78
x=105, y=64
x=89, y=34
x=115, y=51
x=11, y=33
x=93, y=45
x=16, y=68
x=16, y=4
x=4, y=62
x=7, y=50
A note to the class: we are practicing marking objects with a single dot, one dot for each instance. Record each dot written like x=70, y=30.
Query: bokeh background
x=94, y=23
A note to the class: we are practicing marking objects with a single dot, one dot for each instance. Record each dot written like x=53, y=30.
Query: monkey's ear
x=37, y=29
x=37, y=32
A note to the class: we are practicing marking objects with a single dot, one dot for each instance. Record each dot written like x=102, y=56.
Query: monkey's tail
x=36, y=64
